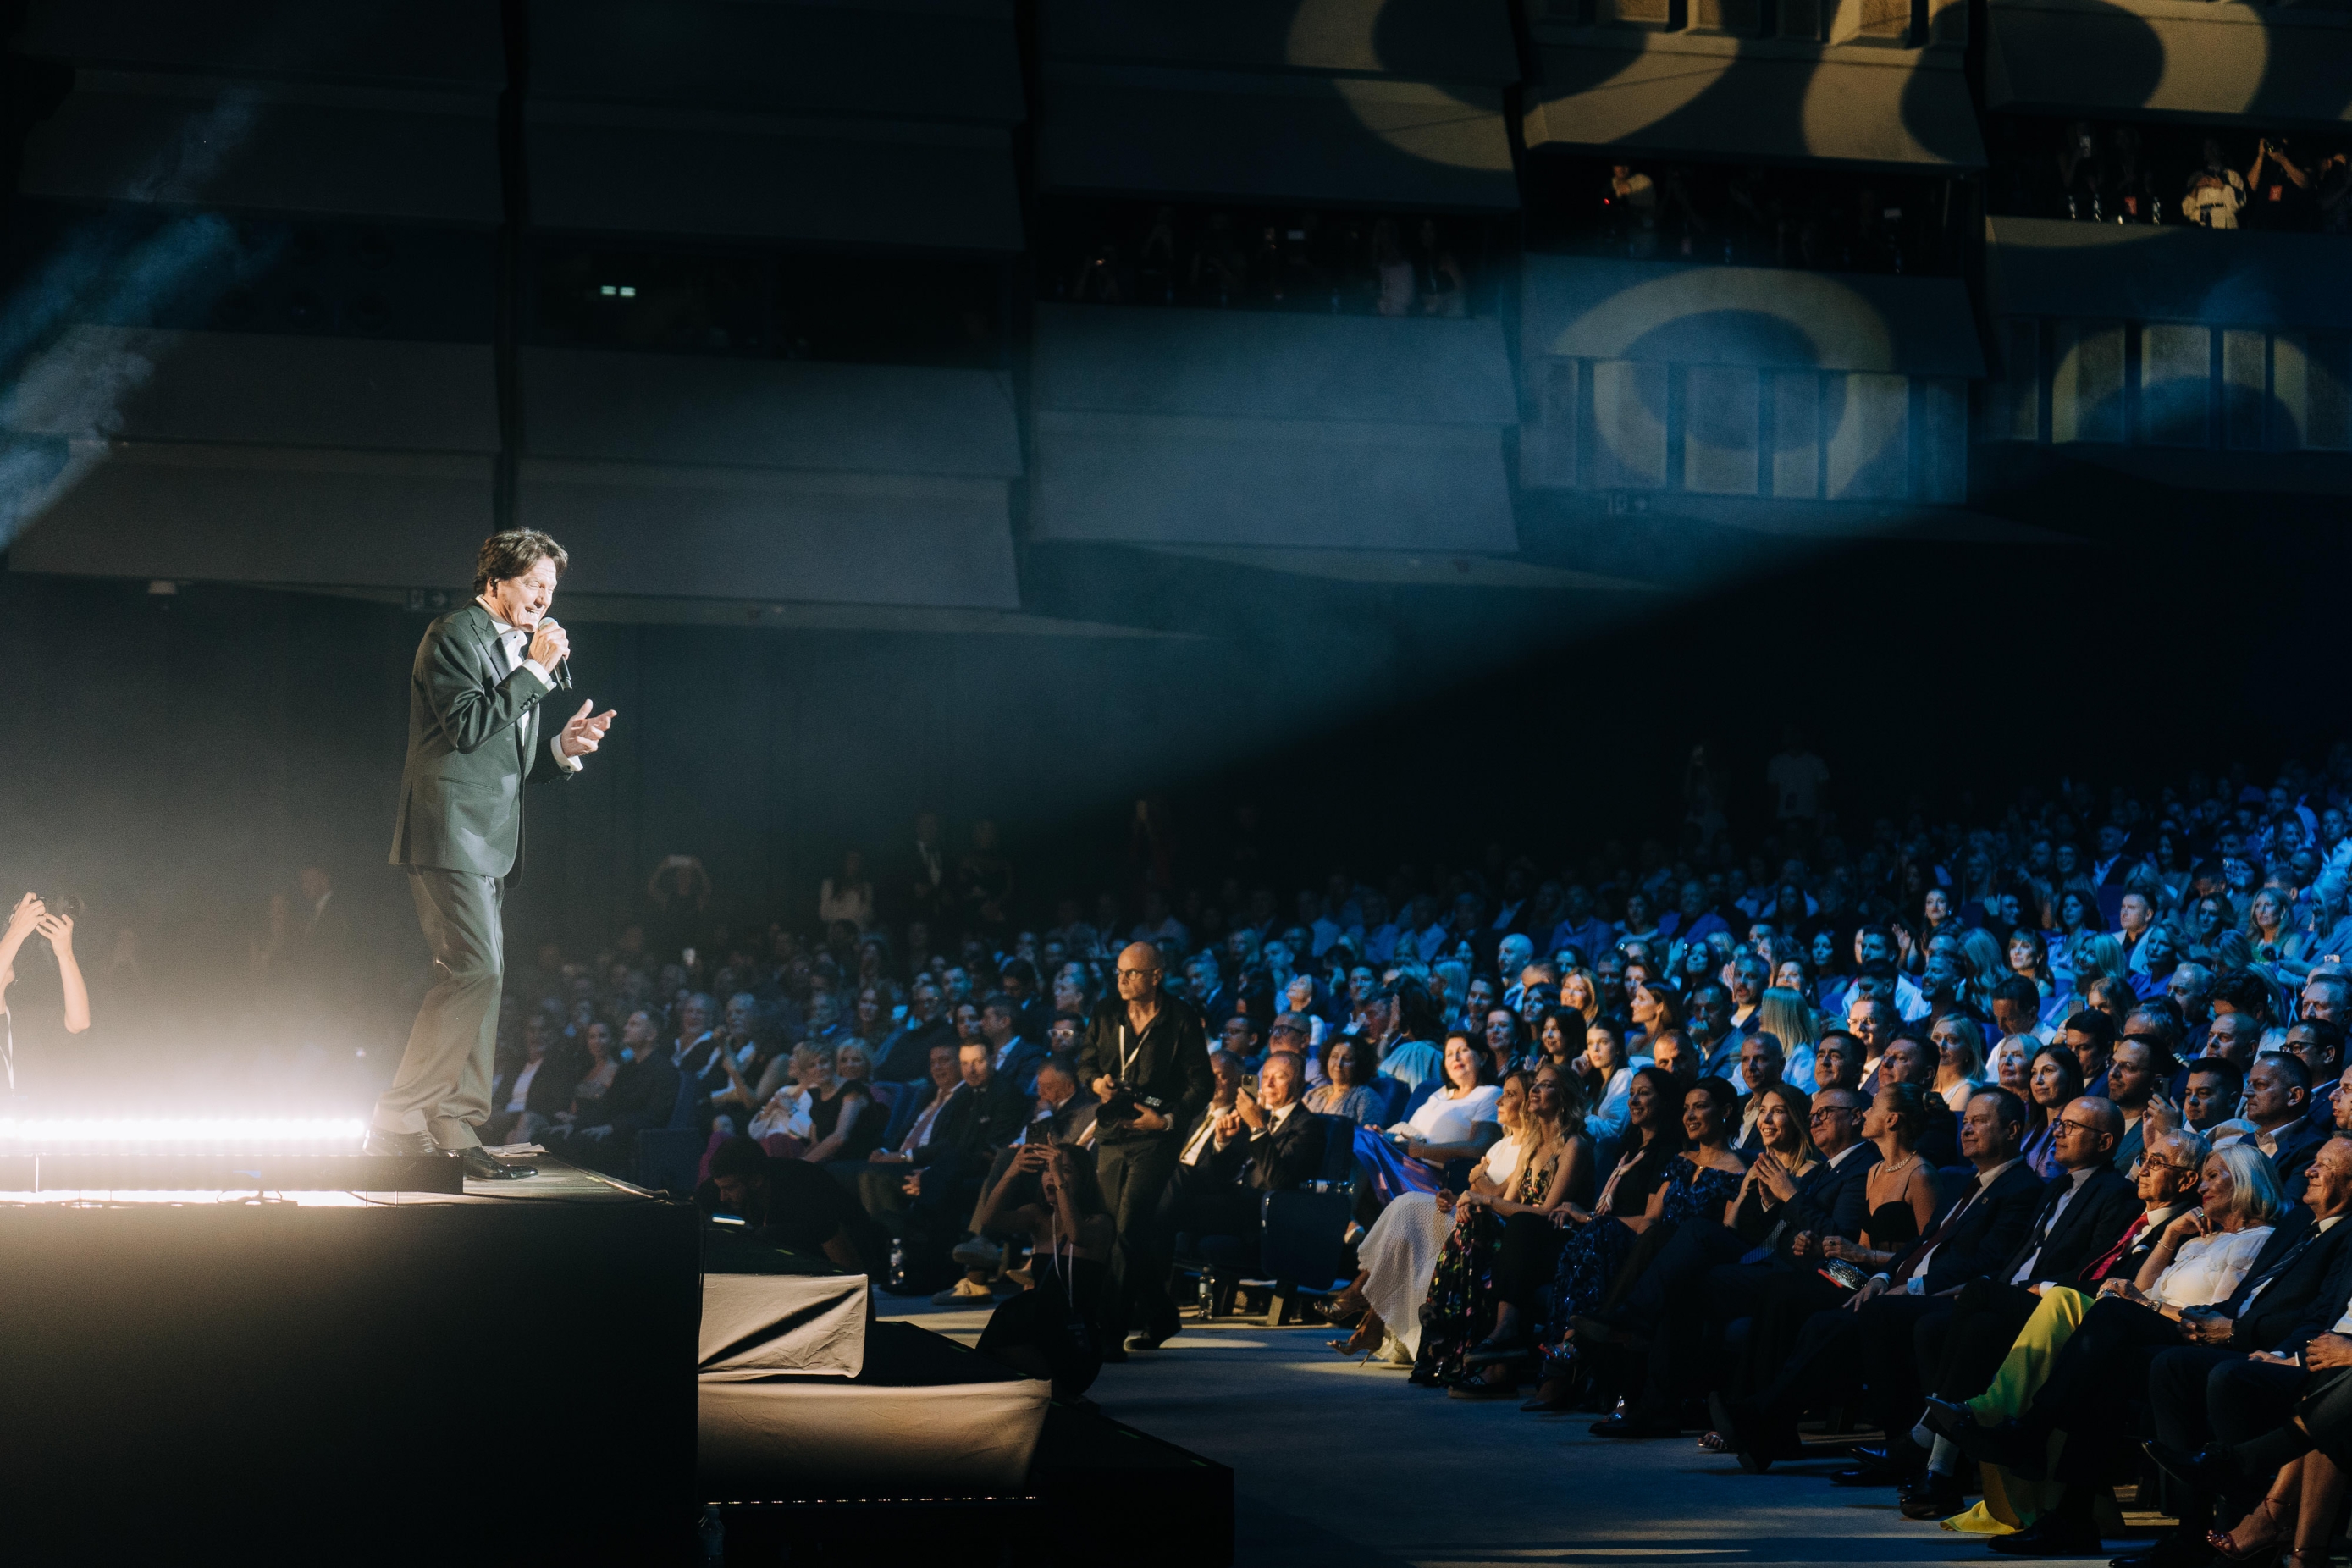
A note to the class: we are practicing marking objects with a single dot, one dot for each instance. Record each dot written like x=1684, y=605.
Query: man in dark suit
x=1954, y=1342
x=906, y=1055
x=1017, y=1056
x=1145, y=1060
x=642, y=1091
x=1984, y=1222
x=475, y=738
x=2278, y=1099
x=2241, y=1376
x=2105, y=1366
x=1286, y=1142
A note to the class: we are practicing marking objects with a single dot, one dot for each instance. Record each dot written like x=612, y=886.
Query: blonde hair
x=1785, y=1015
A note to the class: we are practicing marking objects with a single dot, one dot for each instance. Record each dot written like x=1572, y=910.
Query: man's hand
x=886, y=1156
x=913, y=1185
x=2271, y=1358
x=2208, y=1329
x=1103, y=1088
x=28, y=913
x=1150, y=1121
x=2328, y=1350
x=1872, y=1288
x=550, y=645
x=1802, y=1244
x=584, y=731
x=59, y=928
x=1246, y=1107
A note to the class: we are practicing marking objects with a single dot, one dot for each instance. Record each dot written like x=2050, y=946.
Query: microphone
x=563, y=670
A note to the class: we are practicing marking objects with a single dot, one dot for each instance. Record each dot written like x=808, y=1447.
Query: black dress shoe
x=1150, y=1339
x=1946, y=1419
x=1624, y=1426
x=2052, y=1537
x=481, y=1167
x=381, y=1143
x=1933, y=1496
x=2178, y=1550
x=2209, y=1473
x=1879, y=1468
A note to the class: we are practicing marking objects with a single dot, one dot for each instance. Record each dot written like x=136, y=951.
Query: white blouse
x=2208, y=1268
x=1447, y=1116
x=1502, y=1159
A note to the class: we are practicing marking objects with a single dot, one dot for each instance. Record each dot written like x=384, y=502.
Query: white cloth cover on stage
x=858, y=1437
x=759, y=1325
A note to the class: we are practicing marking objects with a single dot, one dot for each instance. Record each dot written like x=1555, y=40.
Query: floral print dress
x=1460, y=1311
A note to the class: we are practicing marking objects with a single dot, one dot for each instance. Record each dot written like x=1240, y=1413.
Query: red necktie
x=2098, y=1271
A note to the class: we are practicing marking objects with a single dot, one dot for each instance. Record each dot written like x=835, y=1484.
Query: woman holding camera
x=1052, y=1329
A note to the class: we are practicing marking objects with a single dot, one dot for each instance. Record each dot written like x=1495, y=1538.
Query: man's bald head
x=1138, y=972
x=2101, y=1113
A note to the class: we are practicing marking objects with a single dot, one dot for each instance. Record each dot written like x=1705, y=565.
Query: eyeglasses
x=2153, y=1163
x=1832, y=1110
x=2076, y=1126
x=1140, y=972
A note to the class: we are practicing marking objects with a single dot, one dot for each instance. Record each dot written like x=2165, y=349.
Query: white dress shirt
x=2074, y=1180
x=515, y=643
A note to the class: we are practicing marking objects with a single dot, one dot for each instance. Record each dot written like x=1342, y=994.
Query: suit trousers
x=1134, y=1172
x=442, y=1088
x=2201, y=1393
x=2101, y=1372
x=1987, y=1317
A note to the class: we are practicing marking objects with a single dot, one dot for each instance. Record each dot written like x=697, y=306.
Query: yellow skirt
x=2012, y=1503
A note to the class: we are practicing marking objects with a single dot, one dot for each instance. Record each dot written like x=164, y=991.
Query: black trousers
x=1903, y=1340
x=2095, y=1380
x=2200, y=1392
x=1525, y=1261
x=1674, y=1302
x=1987, y=1317
x=1134, y=1172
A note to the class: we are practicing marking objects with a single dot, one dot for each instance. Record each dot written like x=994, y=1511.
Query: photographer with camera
x=1147, y=1059
x=34, y=916
x=1051, y=1329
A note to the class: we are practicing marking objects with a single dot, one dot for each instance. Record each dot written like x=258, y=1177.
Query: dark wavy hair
x=1667, y=1134
x=512, y=553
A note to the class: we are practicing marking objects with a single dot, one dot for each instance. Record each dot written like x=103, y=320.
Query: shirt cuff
x=555, y=750
x=545, y=680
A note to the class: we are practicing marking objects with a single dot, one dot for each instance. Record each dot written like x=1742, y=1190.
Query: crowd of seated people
x=2018, y=1140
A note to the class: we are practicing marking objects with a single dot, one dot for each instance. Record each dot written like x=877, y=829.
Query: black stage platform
x=501, y=1375
x=509, y=1373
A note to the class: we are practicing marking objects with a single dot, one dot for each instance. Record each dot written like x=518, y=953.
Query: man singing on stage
x=474, y=739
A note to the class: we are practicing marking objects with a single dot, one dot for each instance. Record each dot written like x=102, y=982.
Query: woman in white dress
x=1399, y=1254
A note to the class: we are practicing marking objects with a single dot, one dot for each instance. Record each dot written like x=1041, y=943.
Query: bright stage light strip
x=243, y=1133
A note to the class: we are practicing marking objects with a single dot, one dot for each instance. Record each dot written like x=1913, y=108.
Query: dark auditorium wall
x=177, y=758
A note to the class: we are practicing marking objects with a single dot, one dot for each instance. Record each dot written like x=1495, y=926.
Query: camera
x=67, y=904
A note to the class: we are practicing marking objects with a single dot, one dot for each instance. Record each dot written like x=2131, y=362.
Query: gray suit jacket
x=474, y=739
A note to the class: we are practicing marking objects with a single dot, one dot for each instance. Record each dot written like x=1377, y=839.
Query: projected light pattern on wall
x=1745, y=381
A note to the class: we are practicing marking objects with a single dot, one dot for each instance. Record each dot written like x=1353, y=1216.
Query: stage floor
x=1336, y=1466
